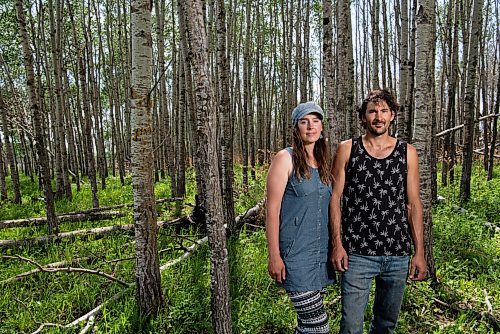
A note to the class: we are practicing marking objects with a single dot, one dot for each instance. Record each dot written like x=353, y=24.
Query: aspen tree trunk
x=449, y=140
x=147, y=270
x=43, y=160
x=98, y=112
x=331, y=113
x=345, y=103
x=95, y=103
x=14, y=173
x=247, y=98
x=162, y=99
x=469, y=100
x=3, y=185
x=375, y=43
x=495, y=122
x=260, y=86
x=187, y=114
x=404, y=68
x=3, y=167
x=87, y=125
x=484, y=85
x=424, y=114
x=206, y=165
x=63, y=186
x=226, y=139
x=386, y=59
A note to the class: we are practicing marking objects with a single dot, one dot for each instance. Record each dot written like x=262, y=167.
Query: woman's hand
x=276, y=268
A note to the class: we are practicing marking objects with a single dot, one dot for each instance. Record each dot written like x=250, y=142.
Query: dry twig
x=70, y=270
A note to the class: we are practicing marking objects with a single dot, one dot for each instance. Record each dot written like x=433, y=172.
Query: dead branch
x=100, y=231
x=188, y=252
x=77, y=217
x=487, y=301
x=489, y=318
x=481, y=152
x=442, y=133
x=46, y=324
x=96, y=310
x=250, y=215
x=68, y=269
x=88, y=326
x=50, y=265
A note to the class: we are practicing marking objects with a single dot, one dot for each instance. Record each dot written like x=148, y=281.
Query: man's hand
x=339, y=258
x=276, y=268
x=418, y=269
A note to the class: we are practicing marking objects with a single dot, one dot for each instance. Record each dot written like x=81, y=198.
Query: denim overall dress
x=304, y=233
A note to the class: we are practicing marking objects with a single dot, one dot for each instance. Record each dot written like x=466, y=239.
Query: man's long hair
x=321, y=154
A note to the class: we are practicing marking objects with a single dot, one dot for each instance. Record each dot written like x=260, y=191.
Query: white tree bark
x=147, y=272
x=424, y=113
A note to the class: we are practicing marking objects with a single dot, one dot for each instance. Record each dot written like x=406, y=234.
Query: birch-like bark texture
x=206, y=164
x=404, y=68
x=449, y=141
x=3, y=186
x=346, y=104
x=226, y=138
x=147, y=271
x=375, y=43
x=43, y=159
x=328, y=75
x=424, y=114
x=9, y=148
x=469, y=100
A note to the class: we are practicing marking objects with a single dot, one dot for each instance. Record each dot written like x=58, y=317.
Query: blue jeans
x=390, y=273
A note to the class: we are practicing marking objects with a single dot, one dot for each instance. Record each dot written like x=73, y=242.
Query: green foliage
x=466, y=255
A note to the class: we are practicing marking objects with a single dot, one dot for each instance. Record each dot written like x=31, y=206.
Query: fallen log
x=119, y=206
x=100, y=231
x=77, y=217
x=245, y=217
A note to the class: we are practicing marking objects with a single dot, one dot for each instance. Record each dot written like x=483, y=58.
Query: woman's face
x=310, y=127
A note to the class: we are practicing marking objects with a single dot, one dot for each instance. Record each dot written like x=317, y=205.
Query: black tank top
x=374, y=214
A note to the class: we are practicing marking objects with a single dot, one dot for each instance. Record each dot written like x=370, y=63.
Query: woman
x=298, y=194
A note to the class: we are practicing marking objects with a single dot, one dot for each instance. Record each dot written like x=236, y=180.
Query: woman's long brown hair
x=321, y=154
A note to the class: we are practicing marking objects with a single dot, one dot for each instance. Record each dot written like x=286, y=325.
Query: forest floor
x=465, y=298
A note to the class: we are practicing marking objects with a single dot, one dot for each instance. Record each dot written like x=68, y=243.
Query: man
x=376, y=177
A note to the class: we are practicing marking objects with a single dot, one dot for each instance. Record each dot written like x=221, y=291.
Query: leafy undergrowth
x=466, y=254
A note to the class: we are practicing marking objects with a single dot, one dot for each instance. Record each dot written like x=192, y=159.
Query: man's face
x=378, y=117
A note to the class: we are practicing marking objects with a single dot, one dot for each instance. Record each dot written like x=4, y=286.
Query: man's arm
x=418, y=269
x=277, y=178
x=338, y=256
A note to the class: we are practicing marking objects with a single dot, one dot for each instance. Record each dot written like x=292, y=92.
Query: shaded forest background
x=219, y=80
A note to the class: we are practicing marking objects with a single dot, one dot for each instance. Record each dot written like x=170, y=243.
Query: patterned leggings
x=311, y=313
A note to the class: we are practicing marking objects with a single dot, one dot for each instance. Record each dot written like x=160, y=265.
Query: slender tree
x=3, y=186
x=225, y=111
x=43, y=160
x=469, y=100
x=9, y=148
x=345, y=102
x=147, y=270
x=207, y=163
x=424, y=114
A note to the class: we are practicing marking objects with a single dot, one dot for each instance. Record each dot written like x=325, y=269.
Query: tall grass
x=466, y=254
